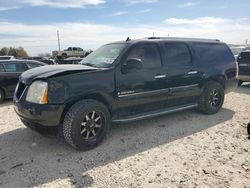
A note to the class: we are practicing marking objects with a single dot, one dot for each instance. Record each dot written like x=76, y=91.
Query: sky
x=89, y=24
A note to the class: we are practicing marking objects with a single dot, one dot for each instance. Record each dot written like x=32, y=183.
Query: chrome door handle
x=192, y=72
x=160, y=76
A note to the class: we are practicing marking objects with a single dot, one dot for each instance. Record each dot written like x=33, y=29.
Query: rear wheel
x=212, y=98
x=86, y=124
x=2, y=96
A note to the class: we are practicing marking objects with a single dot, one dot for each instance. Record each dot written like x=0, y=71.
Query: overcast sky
x=90, y=23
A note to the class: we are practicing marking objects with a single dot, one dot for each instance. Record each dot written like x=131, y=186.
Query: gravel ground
x=185, y=149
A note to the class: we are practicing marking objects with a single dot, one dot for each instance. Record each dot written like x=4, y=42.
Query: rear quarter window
x=33, y=65
x=209, y=53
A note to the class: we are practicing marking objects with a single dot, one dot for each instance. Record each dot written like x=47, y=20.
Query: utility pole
x=58, y=38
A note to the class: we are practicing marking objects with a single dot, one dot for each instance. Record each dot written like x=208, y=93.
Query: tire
x=2, y=96
x=83, y=130
x=240, y=82
x=212, y=98
x=248, y=128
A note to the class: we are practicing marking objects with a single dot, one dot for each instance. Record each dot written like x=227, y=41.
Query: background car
x=244, y=67
x=6, y=57
x=41, y=59
x=10, y=70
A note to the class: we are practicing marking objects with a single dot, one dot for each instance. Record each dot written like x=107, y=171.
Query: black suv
x=126, y=81
x=10, y=70
x=244, y=67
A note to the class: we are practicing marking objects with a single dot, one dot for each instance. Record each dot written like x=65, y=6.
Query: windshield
x=105, y=56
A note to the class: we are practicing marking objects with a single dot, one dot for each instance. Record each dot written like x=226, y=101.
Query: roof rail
x=181, y=38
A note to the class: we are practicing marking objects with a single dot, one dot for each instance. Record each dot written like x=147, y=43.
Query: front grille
x=20, y=89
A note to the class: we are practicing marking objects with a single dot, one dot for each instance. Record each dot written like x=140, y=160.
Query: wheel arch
x=221, y=79
x=94, y=96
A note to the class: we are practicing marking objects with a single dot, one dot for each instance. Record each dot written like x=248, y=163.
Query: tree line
x=13, y=51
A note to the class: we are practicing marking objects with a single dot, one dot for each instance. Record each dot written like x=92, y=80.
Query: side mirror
x=132, y=64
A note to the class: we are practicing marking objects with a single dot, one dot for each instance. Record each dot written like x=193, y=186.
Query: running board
x=154, y=113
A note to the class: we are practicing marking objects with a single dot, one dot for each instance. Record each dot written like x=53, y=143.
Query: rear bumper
x=245, y=78
x=40, y=115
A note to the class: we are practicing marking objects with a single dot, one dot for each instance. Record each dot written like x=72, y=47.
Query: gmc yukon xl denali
x=126, y=81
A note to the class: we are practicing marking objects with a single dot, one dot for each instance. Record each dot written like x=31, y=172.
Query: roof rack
x=180, y=38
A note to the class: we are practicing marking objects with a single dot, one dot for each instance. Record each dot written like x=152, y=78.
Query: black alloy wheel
x=215, y=99
x=91, y=126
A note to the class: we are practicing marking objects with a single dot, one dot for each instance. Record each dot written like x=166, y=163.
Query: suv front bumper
x=39, y=115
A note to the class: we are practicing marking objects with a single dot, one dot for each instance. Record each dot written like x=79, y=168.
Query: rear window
x=210, y=53
x=15, y=67
x=244, y=57
x=1, y=68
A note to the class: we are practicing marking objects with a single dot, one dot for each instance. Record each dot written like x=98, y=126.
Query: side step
x=154, y=113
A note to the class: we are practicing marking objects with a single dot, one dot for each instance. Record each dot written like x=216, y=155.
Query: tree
x=4, y=51
x=12, y=51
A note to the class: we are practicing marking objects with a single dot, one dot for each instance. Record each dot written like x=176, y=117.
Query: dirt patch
x=185, y=149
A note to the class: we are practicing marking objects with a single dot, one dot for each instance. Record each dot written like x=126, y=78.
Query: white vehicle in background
x=7, y=57
x=70, y=52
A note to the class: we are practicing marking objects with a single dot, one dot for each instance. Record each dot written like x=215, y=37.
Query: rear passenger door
x=12, y=72
x=183, y=77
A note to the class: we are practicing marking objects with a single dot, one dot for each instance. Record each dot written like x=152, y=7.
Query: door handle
x=160, y=76
x=192, y=72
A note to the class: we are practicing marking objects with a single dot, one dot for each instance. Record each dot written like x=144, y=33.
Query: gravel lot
x=185, y=149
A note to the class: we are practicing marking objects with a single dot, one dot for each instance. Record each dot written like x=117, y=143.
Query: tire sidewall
x=206, y=108
x=76, y=136
x=248, y=128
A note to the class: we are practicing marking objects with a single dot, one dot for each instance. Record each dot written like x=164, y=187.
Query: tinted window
x=148, y=54
x=74, y=49
x=244, y=57
x=1, y=68
x=177, y=54
x=210, y=53
x=15, y=67
x=32, y=65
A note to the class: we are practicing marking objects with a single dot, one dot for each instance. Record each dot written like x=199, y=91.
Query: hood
x=48, y=71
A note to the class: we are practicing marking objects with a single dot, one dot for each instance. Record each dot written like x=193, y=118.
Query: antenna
x=58, y=39
x=128, y=39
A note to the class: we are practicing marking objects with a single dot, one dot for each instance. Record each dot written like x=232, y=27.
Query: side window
x=2, y=68
x=32, y=65
x=15, y=67
x=148, y=54
x=177, y=54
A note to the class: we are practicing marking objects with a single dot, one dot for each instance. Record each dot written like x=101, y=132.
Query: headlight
x=38, y=92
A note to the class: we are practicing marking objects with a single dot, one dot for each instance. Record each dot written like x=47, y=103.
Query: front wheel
x=212, y=98
x=248, y=128
x=86, y=124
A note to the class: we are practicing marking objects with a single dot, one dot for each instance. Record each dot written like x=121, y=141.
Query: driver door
x=141, y=90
